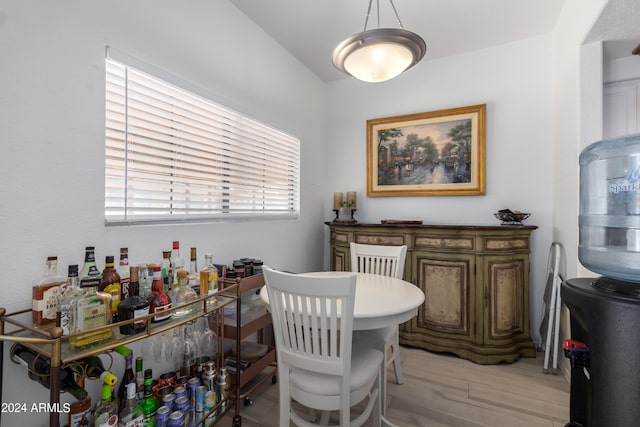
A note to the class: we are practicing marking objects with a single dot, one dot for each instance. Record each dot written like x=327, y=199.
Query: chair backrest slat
x=378, y=259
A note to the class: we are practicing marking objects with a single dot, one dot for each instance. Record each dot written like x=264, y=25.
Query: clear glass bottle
x=150, y=403
x=158, y=300
x=124, y=272
x=177, y=262
x=182, y=295
x=194, y=274
x=133, y=307
x=106, y=412
x=90, y=310
x=131, y=414
x=46, y=294
x=143, y=280
x=166, y=273
x=73, y=291
x=139, y=379
x=213, y=274
x=111, y=284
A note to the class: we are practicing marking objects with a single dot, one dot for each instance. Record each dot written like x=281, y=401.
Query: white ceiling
x=311, y=29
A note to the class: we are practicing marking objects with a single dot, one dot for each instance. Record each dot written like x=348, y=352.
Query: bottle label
x=110, y=421
x=90, y=282
x=124, y=284
x=80, y=419
x=159, y=309
x=114, y=290
x=140, y=313
x=136, y=422
x=48, y=303
x=93, y=316
x=65, y=318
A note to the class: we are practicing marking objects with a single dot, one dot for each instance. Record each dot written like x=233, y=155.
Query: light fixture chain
x=394, y=11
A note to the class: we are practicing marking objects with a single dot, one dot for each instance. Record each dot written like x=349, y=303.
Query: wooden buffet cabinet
x=475, y=280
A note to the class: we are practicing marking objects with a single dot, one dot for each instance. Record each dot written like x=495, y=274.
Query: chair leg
x=397, y=366
x=378, y=407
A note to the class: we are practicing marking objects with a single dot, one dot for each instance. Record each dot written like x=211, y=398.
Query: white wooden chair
x=317, y=366
x=386, y=261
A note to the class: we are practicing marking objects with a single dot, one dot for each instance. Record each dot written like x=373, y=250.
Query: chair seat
x=376, y=335
x=365, y=363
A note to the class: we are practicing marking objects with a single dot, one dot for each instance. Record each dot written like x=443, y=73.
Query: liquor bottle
x=89, y=272
x=72, y=291
x=144, y=280
x=93, y=368
x=182, y=295
x=131, y=414
x=111, y=285
x=90, y=310
x=177, y=262
x=166, y=271
x=133, y=307
x=106, y=412
x=80, y=413
x=139, y=379
x=128, y=377
x=194, y=274
x=213, y=274
x=124, y=272
x=46, y=294
x=158, y=300
x=39, y=370
x=150, y=403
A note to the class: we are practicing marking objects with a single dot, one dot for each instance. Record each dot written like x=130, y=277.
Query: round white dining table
x=381, y=301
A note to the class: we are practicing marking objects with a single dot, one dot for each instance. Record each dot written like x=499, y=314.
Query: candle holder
x=345, y=215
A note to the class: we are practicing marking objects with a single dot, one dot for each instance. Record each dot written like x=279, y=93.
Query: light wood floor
x=446, y=391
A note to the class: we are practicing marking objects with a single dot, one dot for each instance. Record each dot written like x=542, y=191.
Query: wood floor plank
x=446, y=391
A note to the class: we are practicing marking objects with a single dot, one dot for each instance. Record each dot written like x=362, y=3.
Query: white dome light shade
x=380, y=54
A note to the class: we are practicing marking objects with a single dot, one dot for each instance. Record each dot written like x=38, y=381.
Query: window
x=173, y=155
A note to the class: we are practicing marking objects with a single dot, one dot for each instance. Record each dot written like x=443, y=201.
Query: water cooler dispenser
x=605, y=311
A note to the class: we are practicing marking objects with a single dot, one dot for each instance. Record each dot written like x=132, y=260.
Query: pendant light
x=379, y=54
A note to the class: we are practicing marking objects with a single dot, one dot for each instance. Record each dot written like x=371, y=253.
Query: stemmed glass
x=188, y=350
x=208, y=339
x=172, y=341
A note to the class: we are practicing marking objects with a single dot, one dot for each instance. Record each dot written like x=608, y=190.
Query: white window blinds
x=172, y=155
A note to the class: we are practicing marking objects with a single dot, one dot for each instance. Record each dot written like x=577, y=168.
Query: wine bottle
x=124, y=272
x=194, y=274
x=94, y=368
x=128, y=376
x=139, y=379
x=106, y=412
x=39, y=370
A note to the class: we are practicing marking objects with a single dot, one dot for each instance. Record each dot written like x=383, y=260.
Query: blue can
x=192, y=385
x=180, y=392
x=162, y=416
x=168, y=400
x=176, y=419
x=200, y=392
x=181, y=404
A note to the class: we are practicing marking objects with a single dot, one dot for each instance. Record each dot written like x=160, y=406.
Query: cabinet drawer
x=340, y=237
x=379, y=239
x=444, y=242
x=502, y=244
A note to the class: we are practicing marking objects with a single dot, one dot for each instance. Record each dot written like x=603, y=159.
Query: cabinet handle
x=486, y=297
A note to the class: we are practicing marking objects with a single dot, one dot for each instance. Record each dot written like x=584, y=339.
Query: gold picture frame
x=437, y=153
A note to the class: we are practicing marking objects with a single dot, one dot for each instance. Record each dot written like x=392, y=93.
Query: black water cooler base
x=605, y=315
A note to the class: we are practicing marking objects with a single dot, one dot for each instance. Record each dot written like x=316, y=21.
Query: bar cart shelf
x=255, y=320
x=17, y=327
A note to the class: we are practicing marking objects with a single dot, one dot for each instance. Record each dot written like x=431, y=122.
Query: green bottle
x=150, y=404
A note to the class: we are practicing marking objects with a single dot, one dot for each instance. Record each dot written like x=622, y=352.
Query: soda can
x=192, y=385
x=162, y=416
x=180, y=391
x=177, y=419
x=182, y=381
x=181, y=404
x=200, y=396
x=210, y=400
x=168, y=400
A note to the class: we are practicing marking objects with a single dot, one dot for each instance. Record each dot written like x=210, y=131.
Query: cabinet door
x=448, y=283
x=506, y=298
x=340, y=258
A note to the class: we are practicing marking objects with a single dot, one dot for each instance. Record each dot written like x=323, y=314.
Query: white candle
x=351, y=199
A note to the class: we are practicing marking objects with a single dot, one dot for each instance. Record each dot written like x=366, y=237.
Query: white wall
x=514, y=80
x=52, y=133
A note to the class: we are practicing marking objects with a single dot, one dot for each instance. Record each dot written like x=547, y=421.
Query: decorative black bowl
x=511, y=218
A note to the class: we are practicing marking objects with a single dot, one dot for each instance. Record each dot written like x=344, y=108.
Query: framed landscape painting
x=438, y=153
